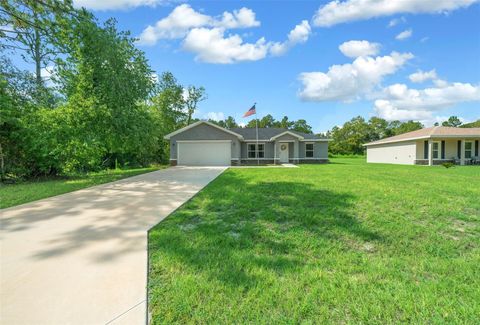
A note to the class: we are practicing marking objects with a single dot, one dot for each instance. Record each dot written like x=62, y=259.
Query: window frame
x=439, y=150
x=309, y=150
x=257, y=153
x=472, y=150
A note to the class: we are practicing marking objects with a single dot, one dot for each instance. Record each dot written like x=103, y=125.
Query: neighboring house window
x=252, y=150
x=309, y=150
x=468, y=150
x=436, y=150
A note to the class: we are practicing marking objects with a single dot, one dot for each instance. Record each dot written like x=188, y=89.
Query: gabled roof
x=287, y=133
x=168, y=136
x=432, y=132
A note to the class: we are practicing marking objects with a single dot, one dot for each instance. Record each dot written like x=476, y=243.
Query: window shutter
x=443, y=149
x=425, y=150
x=476, y=148
x=459, y=149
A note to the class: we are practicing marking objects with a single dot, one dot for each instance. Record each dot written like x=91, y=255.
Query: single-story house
x=207, y=144
x=429, y=146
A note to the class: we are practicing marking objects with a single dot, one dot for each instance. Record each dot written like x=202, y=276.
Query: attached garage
x=204, y=153
x=392, y=153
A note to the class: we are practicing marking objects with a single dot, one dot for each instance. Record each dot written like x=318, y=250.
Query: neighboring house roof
x=168, y=136
x=266, y=134
x=432, y=132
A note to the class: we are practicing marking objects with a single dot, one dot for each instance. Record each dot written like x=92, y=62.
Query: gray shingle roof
x=267, y=133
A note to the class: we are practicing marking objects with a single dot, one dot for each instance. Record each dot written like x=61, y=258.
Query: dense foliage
x=268, y=121
x=350, y=138
x=93, y=101
x=475, y=124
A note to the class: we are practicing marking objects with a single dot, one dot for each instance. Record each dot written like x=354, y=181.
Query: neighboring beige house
x=429, y=146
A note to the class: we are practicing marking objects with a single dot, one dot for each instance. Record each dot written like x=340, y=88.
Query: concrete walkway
x=81, y=258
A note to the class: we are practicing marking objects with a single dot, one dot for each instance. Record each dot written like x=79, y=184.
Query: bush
x=448, y=164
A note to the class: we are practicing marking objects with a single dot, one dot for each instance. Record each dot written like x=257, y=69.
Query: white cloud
x=350, y=81
x=354, y=49
x=184, y=18
x=386, y=110
x=216, y=116
x=115, y=4
x=396, y=21
x=175, y=25
x=402, y=103
x=336, y=12
x=47, y=73
x=242, y=18
x=211, y=45
x=421, y=76
x=207, y=36
x=440, y=83
x=298, y=35
x=404, y=35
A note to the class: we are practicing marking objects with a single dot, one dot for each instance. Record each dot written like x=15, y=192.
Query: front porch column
x=296, y=152
x=462, y=152
x=430, y=152
x=275, y=161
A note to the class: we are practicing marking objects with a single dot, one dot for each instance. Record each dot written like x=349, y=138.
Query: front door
x=284, y=152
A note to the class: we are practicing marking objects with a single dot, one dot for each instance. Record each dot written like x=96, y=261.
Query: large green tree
x=301, y=126
x=349, y=138
x=192, y=96
x=397, y=127
x=30, y=29
x=167, y=104
x=228, y=123
x=453, y=121
x=106, y=70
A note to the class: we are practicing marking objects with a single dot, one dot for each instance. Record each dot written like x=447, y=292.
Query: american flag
x=251, y=111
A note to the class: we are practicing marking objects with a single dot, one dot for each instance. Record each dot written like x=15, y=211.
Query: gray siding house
x=206, y=144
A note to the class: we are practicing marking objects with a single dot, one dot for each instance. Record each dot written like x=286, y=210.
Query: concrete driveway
x=81, y=258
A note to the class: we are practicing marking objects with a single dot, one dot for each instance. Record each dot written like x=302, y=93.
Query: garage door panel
x=204, y=153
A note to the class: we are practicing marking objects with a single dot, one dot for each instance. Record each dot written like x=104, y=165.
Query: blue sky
x=290, y=76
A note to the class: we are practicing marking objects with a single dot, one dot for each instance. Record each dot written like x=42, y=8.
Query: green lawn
x=24, y=192
x=345, y=243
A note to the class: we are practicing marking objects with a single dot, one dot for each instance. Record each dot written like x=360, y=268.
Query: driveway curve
x=81, y=257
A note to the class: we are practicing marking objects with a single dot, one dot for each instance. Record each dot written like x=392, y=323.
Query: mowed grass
x=15, y=194
x=347, y=242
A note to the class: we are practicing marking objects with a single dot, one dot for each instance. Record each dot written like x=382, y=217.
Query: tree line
x=92, y=102
x=268, y=121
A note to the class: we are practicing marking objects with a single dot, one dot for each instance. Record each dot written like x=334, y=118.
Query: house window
x=309, y=150
x=436, y=150
x=468, y=150
x=253, y=150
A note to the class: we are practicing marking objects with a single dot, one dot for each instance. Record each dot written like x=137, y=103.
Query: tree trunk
x=37, y=55
x=190, y=113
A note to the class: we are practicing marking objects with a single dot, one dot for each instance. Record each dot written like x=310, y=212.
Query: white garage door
x=204, y=153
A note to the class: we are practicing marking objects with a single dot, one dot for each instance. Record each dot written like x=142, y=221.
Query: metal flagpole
x=256, y=128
